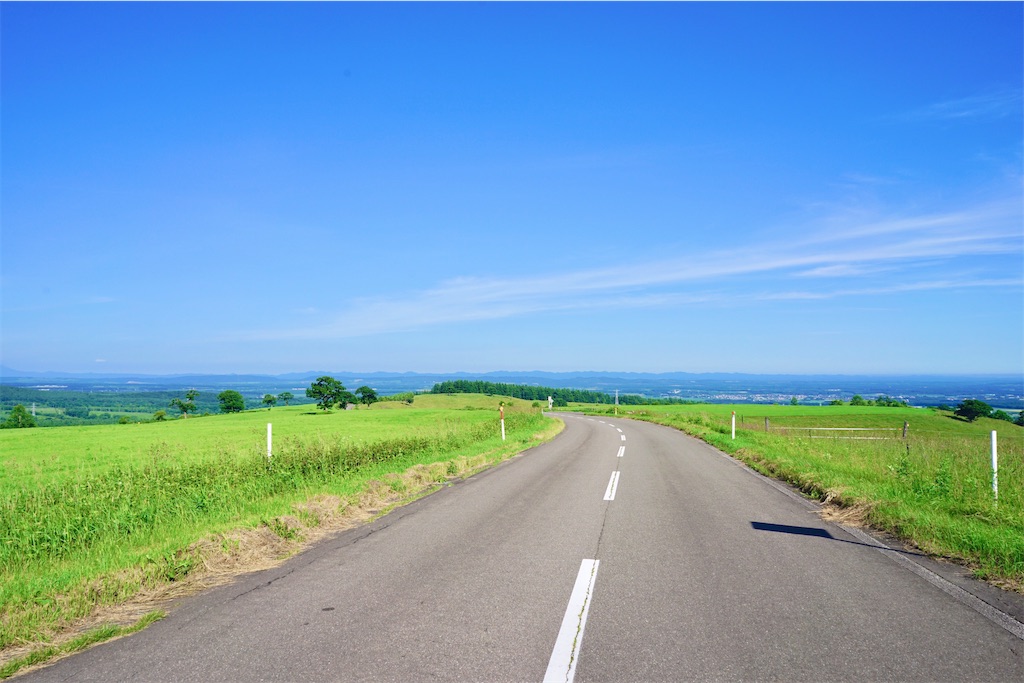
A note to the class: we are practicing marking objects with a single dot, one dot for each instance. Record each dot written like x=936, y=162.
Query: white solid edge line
x=990, y=612
x=613, y=484
x=562, y=665
x=622, y=451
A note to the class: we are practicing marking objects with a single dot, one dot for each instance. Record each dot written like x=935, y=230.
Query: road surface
x=620, y=551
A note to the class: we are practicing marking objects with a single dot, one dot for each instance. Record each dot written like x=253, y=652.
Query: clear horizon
x=39, y=374
x=763, y=188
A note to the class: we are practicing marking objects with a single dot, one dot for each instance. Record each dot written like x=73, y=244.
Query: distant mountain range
x=720, y=387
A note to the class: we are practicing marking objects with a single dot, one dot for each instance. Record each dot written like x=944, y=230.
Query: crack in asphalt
x=574, y=654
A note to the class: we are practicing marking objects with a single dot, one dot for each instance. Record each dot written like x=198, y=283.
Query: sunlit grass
x=32, y=457
x=118, y=506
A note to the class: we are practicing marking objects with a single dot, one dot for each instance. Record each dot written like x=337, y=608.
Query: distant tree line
x=882, y=400
x=971, y=409
x=560, y=397
x=65, y=408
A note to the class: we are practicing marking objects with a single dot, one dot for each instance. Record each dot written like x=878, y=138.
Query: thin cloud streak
x=859, y=251
x=895, y=289
x=994, y=104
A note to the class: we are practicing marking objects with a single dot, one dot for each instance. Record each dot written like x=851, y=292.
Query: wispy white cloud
x=839, y=270
x=947, y=284
x=994, y=104
x=857, y=251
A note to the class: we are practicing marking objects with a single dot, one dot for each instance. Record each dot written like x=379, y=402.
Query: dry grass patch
x=42, y=628
x=221, y=558
x=855, y=515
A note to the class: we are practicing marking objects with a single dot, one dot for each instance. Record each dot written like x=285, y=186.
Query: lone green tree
x=186, y=406
x=326, y=391
x=367, y=395
x=285, y=396
x=971, y=409
x=269, y=400
x=231, y=401
x=19, y=418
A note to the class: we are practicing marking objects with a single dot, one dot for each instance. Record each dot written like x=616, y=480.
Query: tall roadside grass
x=75, y=543
x=933, y=489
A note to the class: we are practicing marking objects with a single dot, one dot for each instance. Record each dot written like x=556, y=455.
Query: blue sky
x=795, y=188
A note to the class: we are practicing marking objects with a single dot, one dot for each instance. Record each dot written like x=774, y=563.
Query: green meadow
x=92, y=516
x=932, y=489
x=32, y=457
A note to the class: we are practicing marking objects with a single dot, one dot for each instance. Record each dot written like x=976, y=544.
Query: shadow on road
x=822, y=533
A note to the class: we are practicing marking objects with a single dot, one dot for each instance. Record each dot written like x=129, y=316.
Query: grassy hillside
x=933, y=489
x=92, y=517
x=31, y=457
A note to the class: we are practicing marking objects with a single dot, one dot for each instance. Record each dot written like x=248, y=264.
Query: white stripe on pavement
x=613, y=484
x=562, y=665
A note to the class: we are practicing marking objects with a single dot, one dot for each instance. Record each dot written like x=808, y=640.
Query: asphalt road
x=685, y=565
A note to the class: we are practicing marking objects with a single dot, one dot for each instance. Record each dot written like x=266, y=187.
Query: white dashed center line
x=562, y=665
x=613, y=484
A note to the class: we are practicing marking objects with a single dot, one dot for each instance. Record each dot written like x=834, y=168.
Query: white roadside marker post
x=995, y=469
x=502, y=413
x=734, y=425
x=269, y=439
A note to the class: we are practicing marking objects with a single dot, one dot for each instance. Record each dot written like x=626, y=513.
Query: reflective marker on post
x=995, y=469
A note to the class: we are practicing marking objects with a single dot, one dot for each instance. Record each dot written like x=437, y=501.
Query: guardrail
x=836, y=432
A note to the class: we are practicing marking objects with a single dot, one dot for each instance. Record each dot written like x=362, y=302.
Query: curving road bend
x=620, y=551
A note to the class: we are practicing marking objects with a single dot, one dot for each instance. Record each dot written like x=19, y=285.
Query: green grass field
x=91, y=516
x=31, y=457
x=933, y=488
